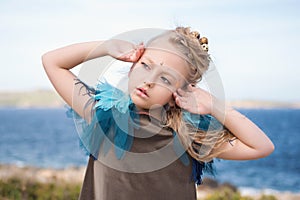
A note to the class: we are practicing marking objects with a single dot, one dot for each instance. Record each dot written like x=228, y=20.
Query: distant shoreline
x=50, y=99
x=31, y=99
x=258, y=104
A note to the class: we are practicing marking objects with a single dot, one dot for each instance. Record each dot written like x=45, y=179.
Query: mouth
x=142, y=92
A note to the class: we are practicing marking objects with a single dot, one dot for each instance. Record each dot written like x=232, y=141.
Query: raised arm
x=57, y=64
x=251, y=142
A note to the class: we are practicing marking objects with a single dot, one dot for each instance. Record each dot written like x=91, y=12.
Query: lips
x=143, y=91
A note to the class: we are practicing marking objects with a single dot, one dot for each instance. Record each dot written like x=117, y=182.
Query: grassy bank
x=18, y=189
x=32, y=183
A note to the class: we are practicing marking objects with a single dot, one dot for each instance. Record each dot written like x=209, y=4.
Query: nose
x=149, y=84
x=152, y=77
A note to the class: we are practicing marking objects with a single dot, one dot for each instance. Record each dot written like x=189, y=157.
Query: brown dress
x=171, y=182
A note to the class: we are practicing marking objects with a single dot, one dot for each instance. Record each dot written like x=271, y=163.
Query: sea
x=46, y=137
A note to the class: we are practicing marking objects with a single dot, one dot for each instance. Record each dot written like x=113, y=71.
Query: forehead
x=168, y=60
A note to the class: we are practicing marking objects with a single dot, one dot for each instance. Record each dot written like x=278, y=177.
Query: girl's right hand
x=123, y=50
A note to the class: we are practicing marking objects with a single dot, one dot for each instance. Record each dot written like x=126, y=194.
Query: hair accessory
x=203, y=40
x=204, y=43
x=195, y=34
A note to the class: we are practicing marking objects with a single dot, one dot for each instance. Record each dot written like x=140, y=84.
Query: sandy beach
x=75, y=175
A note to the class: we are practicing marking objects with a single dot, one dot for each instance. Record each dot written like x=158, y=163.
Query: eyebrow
x=149, y=59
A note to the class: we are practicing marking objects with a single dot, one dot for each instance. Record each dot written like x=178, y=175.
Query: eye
x=145, y=66
x=165, y=80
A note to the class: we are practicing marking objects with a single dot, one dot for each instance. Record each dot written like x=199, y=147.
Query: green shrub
x=267, y=197
x=18, y=190
x=226, y=194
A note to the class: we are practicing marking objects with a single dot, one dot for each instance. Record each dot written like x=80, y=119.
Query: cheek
x=165, y=95
x=135, y=78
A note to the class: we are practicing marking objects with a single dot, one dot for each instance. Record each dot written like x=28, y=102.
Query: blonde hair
x=201, y=145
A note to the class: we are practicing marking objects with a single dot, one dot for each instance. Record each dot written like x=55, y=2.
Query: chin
x=142, y=105
x=139, y=102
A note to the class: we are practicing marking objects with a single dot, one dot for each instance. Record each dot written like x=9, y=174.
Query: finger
x=181, y=92
x=124, y=57
x=181, y=104
x=141, y=46
x=180, y=98
x=191, y=87
x=140, y=52
x=137, y=53
x=133, y=56
x=180, y=101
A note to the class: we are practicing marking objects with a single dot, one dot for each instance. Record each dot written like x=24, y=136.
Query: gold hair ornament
x=203, y=40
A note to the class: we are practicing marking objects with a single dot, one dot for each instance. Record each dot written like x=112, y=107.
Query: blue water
x=39, y=137
x=47, y=138
x=280, y=170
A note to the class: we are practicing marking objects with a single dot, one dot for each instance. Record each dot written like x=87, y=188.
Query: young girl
x=154, y=140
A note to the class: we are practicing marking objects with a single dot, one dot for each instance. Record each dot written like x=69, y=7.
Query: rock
x=228, y=185
x=43, y=175
x=211, y=183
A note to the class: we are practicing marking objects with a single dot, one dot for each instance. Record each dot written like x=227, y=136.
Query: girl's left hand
x=194, y=100
x=124, y=50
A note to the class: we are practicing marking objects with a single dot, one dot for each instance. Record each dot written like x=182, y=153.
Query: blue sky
x=253, y=43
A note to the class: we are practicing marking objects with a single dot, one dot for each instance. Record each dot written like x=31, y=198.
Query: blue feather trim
x=179, y=150
x=200, y=167
x=112, y=122
x=202, y=122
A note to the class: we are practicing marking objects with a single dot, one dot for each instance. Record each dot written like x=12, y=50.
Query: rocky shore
x=210, y=189
x=42, y=175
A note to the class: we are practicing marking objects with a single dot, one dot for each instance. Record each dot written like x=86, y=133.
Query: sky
x=252, y=43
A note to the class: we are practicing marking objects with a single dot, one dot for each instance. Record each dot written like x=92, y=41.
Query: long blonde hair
x=201, y=145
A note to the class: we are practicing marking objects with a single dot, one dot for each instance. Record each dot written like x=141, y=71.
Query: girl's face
x=155, y=77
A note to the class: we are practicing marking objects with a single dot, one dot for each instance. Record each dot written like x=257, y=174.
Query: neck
x=155, y=112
